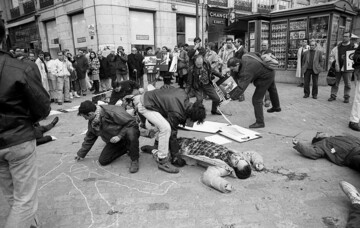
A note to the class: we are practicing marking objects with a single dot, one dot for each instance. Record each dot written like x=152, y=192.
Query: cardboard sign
x=349, y=61
x=151, y=64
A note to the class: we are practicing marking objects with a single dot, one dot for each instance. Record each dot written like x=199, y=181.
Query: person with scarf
x=94, y=66
x=118, y=129
x=136, y=67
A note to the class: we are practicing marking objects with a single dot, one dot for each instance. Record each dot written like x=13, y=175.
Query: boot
x=71, y=95
x=96, y=86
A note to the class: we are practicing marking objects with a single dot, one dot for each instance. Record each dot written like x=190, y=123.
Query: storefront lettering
x=81, y=39
x=216, y=22
x=142, y=37
x=219, y=15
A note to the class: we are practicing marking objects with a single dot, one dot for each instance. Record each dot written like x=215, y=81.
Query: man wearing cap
x=120, y=64
x=252, y=69
x=338, y=54
x=118, y=129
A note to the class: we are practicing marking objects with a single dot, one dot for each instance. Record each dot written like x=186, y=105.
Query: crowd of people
x=29, y=84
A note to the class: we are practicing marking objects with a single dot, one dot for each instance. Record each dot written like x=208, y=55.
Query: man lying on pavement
x=220, y=161
x=341, y=150
x=118, y=129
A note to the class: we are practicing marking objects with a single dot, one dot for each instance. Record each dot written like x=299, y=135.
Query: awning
x=239, y=26
x=25, y=21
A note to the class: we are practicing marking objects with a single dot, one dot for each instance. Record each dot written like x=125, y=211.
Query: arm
x=124, y=57
x=35, y=94
x=212, y=178
x=86, y=146
x=245, y=78
x=256, y=160
x=309, y=151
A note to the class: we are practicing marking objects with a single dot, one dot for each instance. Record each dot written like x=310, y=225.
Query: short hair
x=148, y=48
x=239, y=40
x=60, y=52
x=198, y=57
x=243, y=173
x=197, y=39
x=186, y=45
x=211, y=45
x=197, y=112
x=167, y=49
x=2, y=31
x=46, y=54
x=86, y=107
x=232, y=62
x=227, y=39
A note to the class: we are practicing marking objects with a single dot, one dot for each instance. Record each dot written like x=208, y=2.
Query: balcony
x=244, y=5
x=29, y=7
x=46, y=3
x=15, y=12
x=264, y=8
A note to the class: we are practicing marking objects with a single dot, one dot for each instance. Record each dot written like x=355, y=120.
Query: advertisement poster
x=349, y=61
x=151, y=64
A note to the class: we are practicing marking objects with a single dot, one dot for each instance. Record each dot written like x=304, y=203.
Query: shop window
x=334, y=31
x=180, y=28
x=185, y=29
x=318, y=31
x=278, y=43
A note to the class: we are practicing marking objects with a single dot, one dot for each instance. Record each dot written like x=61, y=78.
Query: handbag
x=331, y=76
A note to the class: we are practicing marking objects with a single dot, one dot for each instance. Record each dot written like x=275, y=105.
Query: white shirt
x=62, y=68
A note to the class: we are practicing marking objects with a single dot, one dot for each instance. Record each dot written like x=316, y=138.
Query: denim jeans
x=63, y=88
x=355, y=110
x=162, y=124
x=52, y=86
x=307, y=76
x=347, y=81
x=19, y=183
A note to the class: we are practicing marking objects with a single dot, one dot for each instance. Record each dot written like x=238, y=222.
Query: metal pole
x=197, y=18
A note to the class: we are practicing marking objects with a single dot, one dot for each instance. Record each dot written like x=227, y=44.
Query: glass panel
x=252, y=36
x=181, y=38
x=265, y=31
x=278, y=43
x=297, y=35
x=180, y=23
x=318, y=30
x=348, y=24
x=79, y=30
x=334, y=31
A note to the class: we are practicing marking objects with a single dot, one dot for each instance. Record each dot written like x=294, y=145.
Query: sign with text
x=218, y=2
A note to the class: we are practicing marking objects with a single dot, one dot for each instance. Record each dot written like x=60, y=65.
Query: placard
x=349, y=61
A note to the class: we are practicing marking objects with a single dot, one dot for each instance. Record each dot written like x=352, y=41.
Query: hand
x=77, y=158
x=295, y=141
x=115, y=139
x=259, y=167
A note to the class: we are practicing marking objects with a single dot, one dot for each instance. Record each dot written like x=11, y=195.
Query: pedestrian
x=165, y=74
x=252, y=69
x=82, y=66
x=340, y=150
x=239, y=48
x=62, y=68
x=31, y=56
x=200, y=82
x=196, y=50
x=355, y=110
x=167, y=109
x=121, y=64
x=123, y=88
x=151, y=77
x=118, y=129
x=265, y=50
x=225, y=53
x=338, y=54
x=300, y=54
x=312, y=66
x=112, y=67
x=74, y=81
x=24, y=101
x=136, y=67
x=183, y=65
x=51, y=76
x=351, y=192
x=212, y=57
x=94, y=66
x=104, y=73
x=40, y=62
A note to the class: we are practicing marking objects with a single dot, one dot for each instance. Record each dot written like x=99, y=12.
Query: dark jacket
x=191, y=53
x=114, y=122
x=253, y=69
x=127, y=88
x=316, y=64
x=120, y=63
x=135, y=62
x=356, y=58
x=104, y=70
x=112, y=66
x=23, y=100
x=239, y=53
x=193, y=79
x=82, y=65
x=337, y=149
x=172, y=104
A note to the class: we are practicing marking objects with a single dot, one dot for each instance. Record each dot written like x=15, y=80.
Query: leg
x=52, y=87
x=112, y=151
x=164, y=127
x=210, y=91
x=257, y=101
x=66, y=88
x=43, y=140
x=198, y=94
x=315, y=78
x=108, y=83
x=335, y=88
x=307, y=76
x=355, y=110
x=132, y=142
x=274, y=96
x=355, y=162
x=103, y=85
x=347, y=82
x=83, y=86
x=60, y=88
x=20, y=165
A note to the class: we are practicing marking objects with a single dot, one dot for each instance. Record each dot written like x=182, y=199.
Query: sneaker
x=59, y=103
x=67, y=101
x=216, y=112
x=351, y=193
x=167, y=166
x=332, y=99
x=305, y=96
x=257, y=125
x=134, y=166
x=354, y=126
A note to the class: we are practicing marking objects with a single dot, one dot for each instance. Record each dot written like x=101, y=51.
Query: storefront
x=217, y=22
x=285, y=29
x=25, y=34
x=142, y=30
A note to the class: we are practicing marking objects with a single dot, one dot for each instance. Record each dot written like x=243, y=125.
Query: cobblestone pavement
x=292, y=192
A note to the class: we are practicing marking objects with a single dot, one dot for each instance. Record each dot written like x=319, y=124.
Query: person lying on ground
x=219, y=160
x=40, y=130
x=118, y=129
x=341, y=150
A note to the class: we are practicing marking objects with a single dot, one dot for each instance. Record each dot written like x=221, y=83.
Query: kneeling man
x=116, y=127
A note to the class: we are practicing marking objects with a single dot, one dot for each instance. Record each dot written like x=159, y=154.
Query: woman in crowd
x=94, y=66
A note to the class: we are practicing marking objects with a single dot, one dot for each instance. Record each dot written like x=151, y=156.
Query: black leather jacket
x=23, y=100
